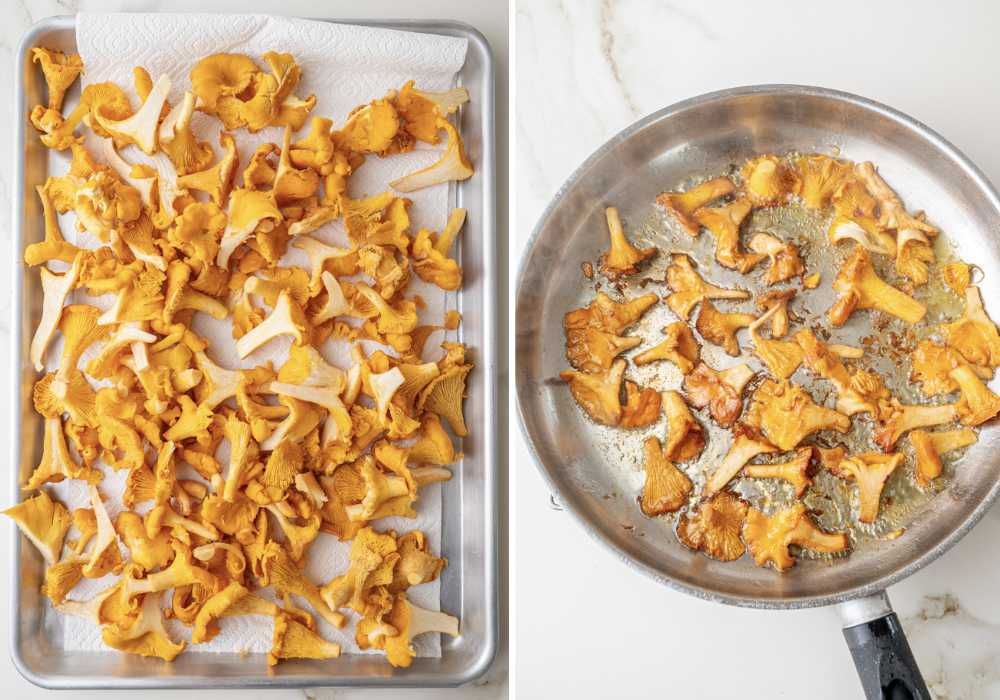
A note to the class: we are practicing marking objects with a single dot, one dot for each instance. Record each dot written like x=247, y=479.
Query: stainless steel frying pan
x=703, y=136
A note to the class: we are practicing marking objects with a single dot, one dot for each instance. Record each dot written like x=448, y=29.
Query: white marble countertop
x=586, y=627
x=489, y=17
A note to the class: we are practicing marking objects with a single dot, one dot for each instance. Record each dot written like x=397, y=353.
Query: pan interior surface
x=706, y=136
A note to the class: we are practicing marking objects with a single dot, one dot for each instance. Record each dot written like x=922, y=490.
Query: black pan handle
x=881, y=653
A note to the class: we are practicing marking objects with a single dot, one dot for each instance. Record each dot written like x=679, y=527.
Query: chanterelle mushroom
x=292, y=184
x=683, y=205
x=444, y=394
x=747, y=444
x=138, y=238
x=371, y=128
x=336, y=303
x=865, y=232
x=55, y=289
x=60, y=72
x=141, y=127
x=44, y=522
x=829, y=457
x=60, y=579
x=958, y=276
x=293, y=640
x=622, y=258
x=978, y=403
x=782, y=357
x=221, y=75
x=609, y=315
x=896, y=418
x=974, y=335
x=721, y=391
x=856, y=393
x=931, y=363
x=853, y=202
x=176, y=139
x=787, y=414
x=420, y=108
x=719, y=328
x=714, y=527
x=105, y=556
x=860, y=287
x=281, y=572
x=409, y=621
x=180, y=295
x=679, y=347
x=928, y=448
x=819, y=179
x=785, y=260
x=430, y=253
x=248, y=211
x=688, y=288
x=452, y=165
x=599, y=394
x=769, y=537
x=285, y=319
x=667, y=487
x=57, y=463
x=145, y=635
x=892, y=213
x=591, y=349
x=768, y=181
x=372, y=557
x=724, y=223
x=685, y=436
x=216, y=180
x=776, y=298
x=913, y=253
x=641, y=407
x=54, y=246
x=870, y=471
x=794, y=471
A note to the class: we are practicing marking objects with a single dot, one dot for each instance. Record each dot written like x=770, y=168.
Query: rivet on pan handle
x=881, y=653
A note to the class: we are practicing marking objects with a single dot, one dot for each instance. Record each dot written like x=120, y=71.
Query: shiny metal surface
x=701, y=137
x=468, y=585
x=858, y=611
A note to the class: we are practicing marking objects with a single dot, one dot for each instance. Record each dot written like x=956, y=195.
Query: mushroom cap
x=714, y=527
x=666, y=487
x=719, y=328
x=685, y=435
x=819, y=179
x=769, y=537
x=221, y=74
x=974, y=335
x=641, y=408
x=768, y=181
x=705, y=387
x=683, y=205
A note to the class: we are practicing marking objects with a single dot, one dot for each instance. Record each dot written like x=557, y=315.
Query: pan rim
x=880, y=582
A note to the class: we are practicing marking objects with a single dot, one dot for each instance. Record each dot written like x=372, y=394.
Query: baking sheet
x=468, y=586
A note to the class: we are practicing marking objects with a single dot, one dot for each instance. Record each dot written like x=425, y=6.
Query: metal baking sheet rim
x=149, y=673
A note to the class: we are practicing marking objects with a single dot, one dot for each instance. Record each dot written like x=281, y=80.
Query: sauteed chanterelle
x=803, y=415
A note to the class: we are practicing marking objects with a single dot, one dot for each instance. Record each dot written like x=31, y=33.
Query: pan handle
x=881, y=653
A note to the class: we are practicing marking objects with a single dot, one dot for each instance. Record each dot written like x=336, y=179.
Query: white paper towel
x=344, y=66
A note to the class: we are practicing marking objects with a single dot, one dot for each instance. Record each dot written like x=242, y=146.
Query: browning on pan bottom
x=864, y=374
